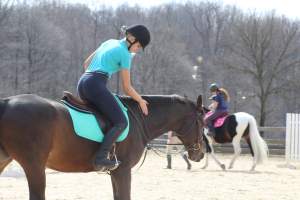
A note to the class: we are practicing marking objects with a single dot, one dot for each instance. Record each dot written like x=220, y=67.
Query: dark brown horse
x=38, y=133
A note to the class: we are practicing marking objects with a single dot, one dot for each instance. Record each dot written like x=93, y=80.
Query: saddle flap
x=83, y=106
x=218, y=122
x=87, y=121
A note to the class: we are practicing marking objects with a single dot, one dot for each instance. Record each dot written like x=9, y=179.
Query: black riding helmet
x=141, y=34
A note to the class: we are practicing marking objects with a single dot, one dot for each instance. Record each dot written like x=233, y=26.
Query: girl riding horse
x=112, y=56
x=219, y=106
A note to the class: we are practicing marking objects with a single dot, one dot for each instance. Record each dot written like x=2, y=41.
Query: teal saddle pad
x=86, y=125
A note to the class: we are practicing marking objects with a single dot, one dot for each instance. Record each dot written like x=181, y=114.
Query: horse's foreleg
x=121, y=182
x=237, y=150
x=212, y=153
x=206, y=161
x=217, y=161
x=185, y=158
x=208, y=149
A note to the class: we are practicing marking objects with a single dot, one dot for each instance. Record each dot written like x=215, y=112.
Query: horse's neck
x=162, y=117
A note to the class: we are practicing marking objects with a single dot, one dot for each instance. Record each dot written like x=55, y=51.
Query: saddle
x=77, y=102
x=84, y=106
x=218, y=122
x=88, y=122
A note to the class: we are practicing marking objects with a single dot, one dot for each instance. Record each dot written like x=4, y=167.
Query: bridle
x=197, y=119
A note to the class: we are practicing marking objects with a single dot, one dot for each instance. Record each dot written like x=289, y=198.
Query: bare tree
x=5, y=9
x=264, y=48
x=261, y=51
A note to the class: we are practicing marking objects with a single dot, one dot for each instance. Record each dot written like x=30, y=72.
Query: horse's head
x=205, y=110
x=190, y=131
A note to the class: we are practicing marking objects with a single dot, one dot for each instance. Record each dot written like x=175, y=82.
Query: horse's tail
x=2, y=107
x=4, y=157
x=259, y=146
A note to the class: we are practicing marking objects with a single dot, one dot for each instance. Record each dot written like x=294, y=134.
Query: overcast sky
x=289, y=8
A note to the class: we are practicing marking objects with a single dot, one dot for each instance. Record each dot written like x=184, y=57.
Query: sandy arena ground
x=154, y=182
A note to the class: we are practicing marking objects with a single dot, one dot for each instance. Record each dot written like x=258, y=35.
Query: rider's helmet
x=141, y=33
x=213, y=87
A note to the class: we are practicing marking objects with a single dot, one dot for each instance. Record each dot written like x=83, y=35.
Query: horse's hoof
x=252, y=169
x=204, y=167
x=223, y=167
x=189, y=167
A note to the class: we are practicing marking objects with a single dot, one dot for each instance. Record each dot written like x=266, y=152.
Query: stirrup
x=114, y=156
x=117, y=163
x=105, y=169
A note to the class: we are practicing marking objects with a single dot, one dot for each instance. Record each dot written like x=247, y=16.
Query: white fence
x=292, y=141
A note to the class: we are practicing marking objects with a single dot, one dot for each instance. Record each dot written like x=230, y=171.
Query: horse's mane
x=160, y=99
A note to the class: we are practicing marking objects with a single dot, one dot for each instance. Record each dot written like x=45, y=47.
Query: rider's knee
x=121, y=126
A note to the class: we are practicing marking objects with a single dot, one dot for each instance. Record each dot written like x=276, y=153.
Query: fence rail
x=272, y=129
x=276, y=146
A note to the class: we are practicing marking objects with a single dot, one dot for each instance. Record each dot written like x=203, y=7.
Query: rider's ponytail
x=225, y=93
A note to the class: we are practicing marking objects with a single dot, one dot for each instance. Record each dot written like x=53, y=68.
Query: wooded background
x=254, y=56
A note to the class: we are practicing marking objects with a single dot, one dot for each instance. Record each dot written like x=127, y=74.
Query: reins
x=141, y=122
x=145, y=128
x=194, y=122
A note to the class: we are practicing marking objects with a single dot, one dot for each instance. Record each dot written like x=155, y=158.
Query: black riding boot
x=102, y=162
x=189, y=166
x=169, y=159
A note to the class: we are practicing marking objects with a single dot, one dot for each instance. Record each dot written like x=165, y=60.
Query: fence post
x=292, y=141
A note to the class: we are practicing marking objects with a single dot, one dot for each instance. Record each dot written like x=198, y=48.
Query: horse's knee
x=237, y=150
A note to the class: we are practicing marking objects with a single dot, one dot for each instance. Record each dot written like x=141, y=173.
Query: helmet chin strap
x=131, y=43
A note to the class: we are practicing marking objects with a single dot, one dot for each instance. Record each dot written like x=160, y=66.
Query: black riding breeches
x=92, y=88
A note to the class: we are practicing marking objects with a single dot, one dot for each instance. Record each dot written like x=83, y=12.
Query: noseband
x=195, y=121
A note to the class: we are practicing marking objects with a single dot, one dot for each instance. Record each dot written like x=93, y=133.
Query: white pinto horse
x=236, y=126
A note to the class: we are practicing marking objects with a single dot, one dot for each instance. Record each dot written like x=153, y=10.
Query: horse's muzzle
x=196, y=157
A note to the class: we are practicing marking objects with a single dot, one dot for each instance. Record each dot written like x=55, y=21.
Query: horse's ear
x=199, y=103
